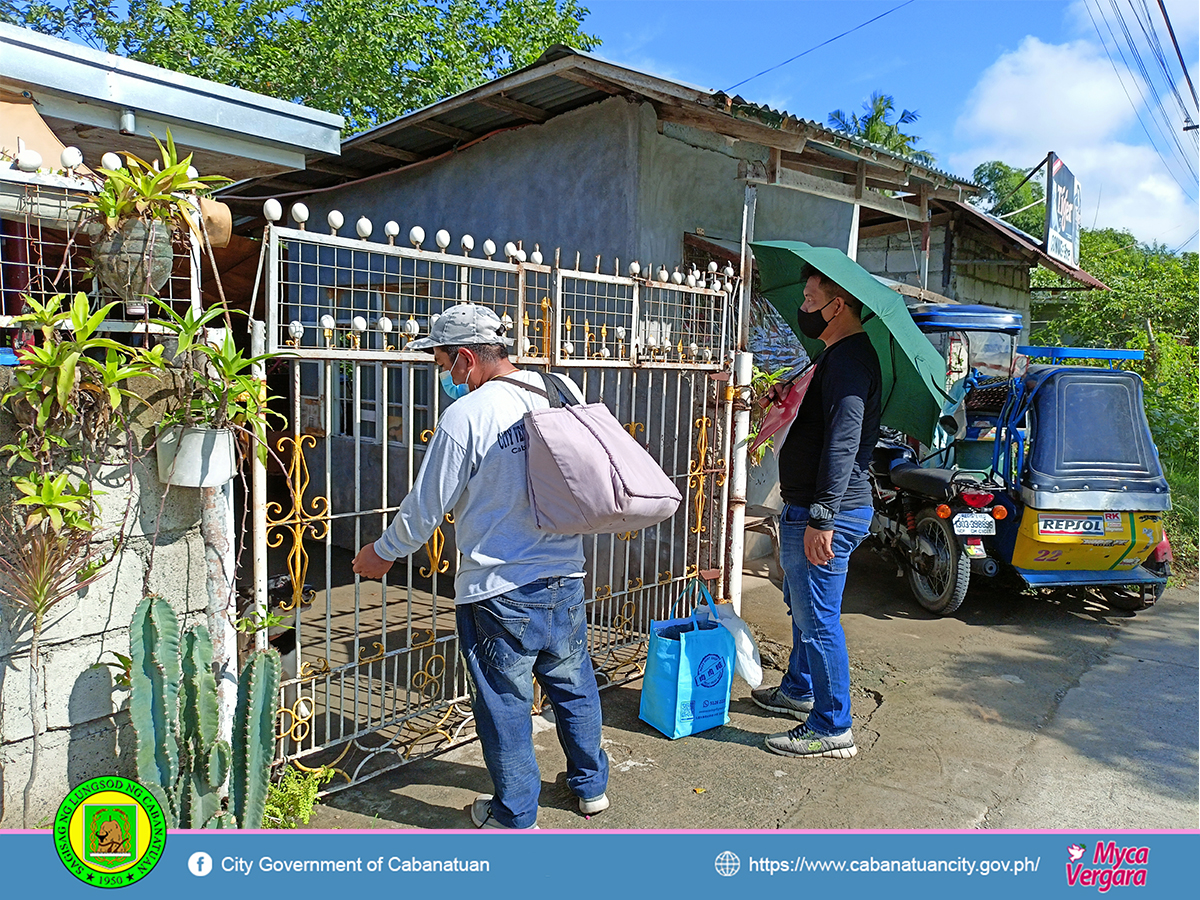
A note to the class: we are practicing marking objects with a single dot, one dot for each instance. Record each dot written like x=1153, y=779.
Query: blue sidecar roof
x=963, y=317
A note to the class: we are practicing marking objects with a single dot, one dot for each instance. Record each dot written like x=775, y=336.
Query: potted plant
x=138, y=213
x=218, y=397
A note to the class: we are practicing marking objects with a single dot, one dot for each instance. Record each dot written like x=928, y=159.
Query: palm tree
x=875, y=127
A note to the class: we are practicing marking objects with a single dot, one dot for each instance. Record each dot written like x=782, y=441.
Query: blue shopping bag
x=689, y=674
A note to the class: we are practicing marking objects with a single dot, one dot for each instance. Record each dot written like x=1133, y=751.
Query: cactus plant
x=173, y=705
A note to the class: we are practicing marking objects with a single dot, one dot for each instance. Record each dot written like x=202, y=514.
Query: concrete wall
x=570, y=183
x=688, y=183
x=898, y=257
x=88, y=733
x=1002, y=285
x=597, y=180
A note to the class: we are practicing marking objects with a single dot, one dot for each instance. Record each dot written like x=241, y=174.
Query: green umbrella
x=912, y=370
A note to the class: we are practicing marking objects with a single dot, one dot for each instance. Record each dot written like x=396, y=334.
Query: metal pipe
x=743, y=367
x=216, y=526
x=258, y=346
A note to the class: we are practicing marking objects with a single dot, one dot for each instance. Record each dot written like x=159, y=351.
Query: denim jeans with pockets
x=819, y=666
x=537, y=629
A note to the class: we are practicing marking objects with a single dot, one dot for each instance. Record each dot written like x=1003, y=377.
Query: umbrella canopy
x=913, y=372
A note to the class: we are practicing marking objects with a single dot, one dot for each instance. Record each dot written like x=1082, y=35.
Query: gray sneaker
x=775, y=700
x=803, y=741
x=481, y=814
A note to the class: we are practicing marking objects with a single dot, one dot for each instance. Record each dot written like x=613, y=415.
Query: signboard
x=1063, y=201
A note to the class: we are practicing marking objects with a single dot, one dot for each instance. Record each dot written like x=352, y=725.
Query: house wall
x=898, y=256
x=570, y=183
x=597, y=180
x=687, y=181
x=1005, y=285
x=88, y=733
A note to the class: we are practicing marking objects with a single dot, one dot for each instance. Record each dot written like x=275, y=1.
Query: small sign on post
x=1063, y=201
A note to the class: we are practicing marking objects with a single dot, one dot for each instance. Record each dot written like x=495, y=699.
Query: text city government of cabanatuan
x=391, y=864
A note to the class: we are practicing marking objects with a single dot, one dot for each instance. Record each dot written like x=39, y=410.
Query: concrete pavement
x=1021, y=712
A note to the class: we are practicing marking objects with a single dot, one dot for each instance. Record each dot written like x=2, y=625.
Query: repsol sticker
x=1058, y=524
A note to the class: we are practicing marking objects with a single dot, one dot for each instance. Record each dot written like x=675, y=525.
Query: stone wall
x=87, y=727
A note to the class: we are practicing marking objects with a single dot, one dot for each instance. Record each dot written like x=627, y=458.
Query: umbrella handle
x=777, y=394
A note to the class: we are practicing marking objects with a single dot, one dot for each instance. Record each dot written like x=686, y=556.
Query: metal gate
x=376, y=679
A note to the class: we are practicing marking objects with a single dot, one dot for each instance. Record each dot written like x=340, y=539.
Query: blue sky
x=991, y=80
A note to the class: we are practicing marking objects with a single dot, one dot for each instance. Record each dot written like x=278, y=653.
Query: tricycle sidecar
x=1085, y=488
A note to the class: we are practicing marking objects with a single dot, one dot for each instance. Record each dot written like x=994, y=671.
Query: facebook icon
x=200, y=864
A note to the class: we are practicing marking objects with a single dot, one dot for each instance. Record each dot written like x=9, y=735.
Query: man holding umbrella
x=875, y=367
x=823, y=482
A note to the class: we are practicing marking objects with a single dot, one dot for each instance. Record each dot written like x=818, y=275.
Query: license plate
x=974, y=523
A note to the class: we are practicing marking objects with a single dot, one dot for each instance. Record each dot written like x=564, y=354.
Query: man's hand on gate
x=370, y=564
x=818, y=546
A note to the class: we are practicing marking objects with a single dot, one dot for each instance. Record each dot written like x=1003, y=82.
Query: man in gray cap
x=518, y=591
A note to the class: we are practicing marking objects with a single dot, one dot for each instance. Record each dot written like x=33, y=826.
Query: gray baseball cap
x=463, y=324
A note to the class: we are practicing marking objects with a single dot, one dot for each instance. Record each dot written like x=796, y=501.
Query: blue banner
x=629, y=864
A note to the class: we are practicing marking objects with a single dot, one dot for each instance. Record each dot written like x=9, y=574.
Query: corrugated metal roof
x=564, y=79
x=739, y=104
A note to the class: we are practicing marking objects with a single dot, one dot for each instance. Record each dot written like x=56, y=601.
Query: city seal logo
x=710, y=671
x=110, y=832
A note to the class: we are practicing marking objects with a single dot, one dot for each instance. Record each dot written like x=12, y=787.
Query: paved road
x=1019, y=712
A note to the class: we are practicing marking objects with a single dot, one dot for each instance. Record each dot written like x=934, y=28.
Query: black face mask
x=812, y=324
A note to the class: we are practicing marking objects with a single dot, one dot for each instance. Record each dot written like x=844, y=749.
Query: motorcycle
x=934, y=521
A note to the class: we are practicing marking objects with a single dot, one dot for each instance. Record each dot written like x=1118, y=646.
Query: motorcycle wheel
x=1129, y=598
x=1126, y=599
x=943, y=587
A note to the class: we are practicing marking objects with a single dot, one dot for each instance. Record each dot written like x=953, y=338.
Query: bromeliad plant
x=140, y=210
x=219, y=388
x=152, y=191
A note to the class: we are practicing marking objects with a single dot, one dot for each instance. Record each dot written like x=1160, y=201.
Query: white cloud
x=1067, y=98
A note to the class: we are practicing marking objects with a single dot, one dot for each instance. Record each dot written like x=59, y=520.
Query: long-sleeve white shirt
x=475, y=465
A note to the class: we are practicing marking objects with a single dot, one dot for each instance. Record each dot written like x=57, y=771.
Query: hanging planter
x=192, y=456
x=133, y=216
x=133, y=260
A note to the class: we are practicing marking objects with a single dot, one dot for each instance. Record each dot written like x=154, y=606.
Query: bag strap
x=554, y=392
x=702, y=594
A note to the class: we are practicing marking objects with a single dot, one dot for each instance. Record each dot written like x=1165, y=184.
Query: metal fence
x=376, y=680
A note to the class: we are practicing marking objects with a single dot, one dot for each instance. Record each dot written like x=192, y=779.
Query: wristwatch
x=819, y=514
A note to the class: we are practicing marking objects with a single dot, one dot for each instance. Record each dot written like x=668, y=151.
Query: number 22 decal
x=1047, y=555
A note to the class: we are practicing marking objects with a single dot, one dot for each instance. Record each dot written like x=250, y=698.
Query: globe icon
x=728, y=863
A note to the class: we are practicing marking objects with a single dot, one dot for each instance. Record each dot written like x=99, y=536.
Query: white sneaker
x=589, y=807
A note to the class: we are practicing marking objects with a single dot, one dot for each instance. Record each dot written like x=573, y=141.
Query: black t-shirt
x=828, y=449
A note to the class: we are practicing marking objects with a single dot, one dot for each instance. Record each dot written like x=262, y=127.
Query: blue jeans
x=538, y=629
x=819, y=666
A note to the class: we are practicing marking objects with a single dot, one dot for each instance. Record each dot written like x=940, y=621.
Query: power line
x=1151, y=33
x=1169, y=135
x=820, y=45
x=1185, y=243
x=1178, y=52
x=1121, y=81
